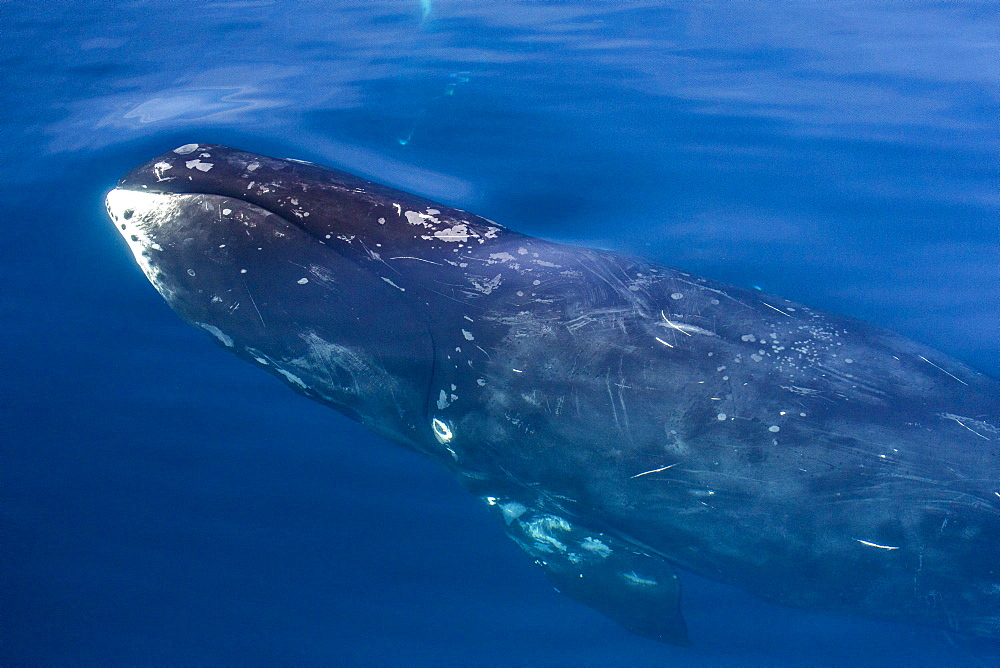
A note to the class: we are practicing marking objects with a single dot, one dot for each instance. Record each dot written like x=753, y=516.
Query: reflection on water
x=897, y=74
x=188, y=105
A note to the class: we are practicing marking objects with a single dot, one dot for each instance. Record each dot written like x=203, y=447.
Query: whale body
x=623, y=420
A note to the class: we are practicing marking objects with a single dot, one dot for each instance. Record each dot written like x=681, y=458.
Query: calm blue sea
x=162, y=502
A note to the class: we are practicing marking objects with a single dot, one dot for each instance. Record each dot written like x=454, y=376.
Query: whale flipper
x=638, y=590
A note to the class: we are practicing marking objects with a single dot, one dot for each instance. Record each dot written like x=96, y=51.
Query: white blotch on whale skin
x=292, y=377
x=543, y=529
x=199, y=165
x=161, y=167
x=187, y=148
x=417, y=218
x=595, y=545
x=637, y=579
x=459, y=232
x=468, y=335
x=442, y=402
x=302, y=281
x=486, y=286
x=224, y=338
x=512, y=510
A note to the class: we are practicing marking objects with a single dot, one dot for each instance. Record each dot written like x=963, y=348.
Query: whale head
x=285, y=264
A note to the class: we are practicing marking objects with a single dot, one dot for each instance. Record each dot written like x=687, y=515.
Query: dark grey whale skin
x=620, y=417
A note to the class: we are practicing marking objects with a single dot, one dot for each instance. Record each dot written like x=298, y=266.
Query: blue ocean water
x=162, y=502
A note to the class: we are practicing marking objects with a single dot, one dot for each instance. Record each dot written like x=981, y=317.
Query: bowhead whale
x=622, y=419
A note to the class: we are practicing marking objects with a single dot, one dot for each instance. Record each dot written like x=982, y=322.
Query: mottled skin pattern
x=619, y=416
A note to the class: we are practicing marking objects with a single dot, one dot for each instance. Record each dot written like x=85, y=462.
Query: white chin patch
x=135, y=215
x=129, y=206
